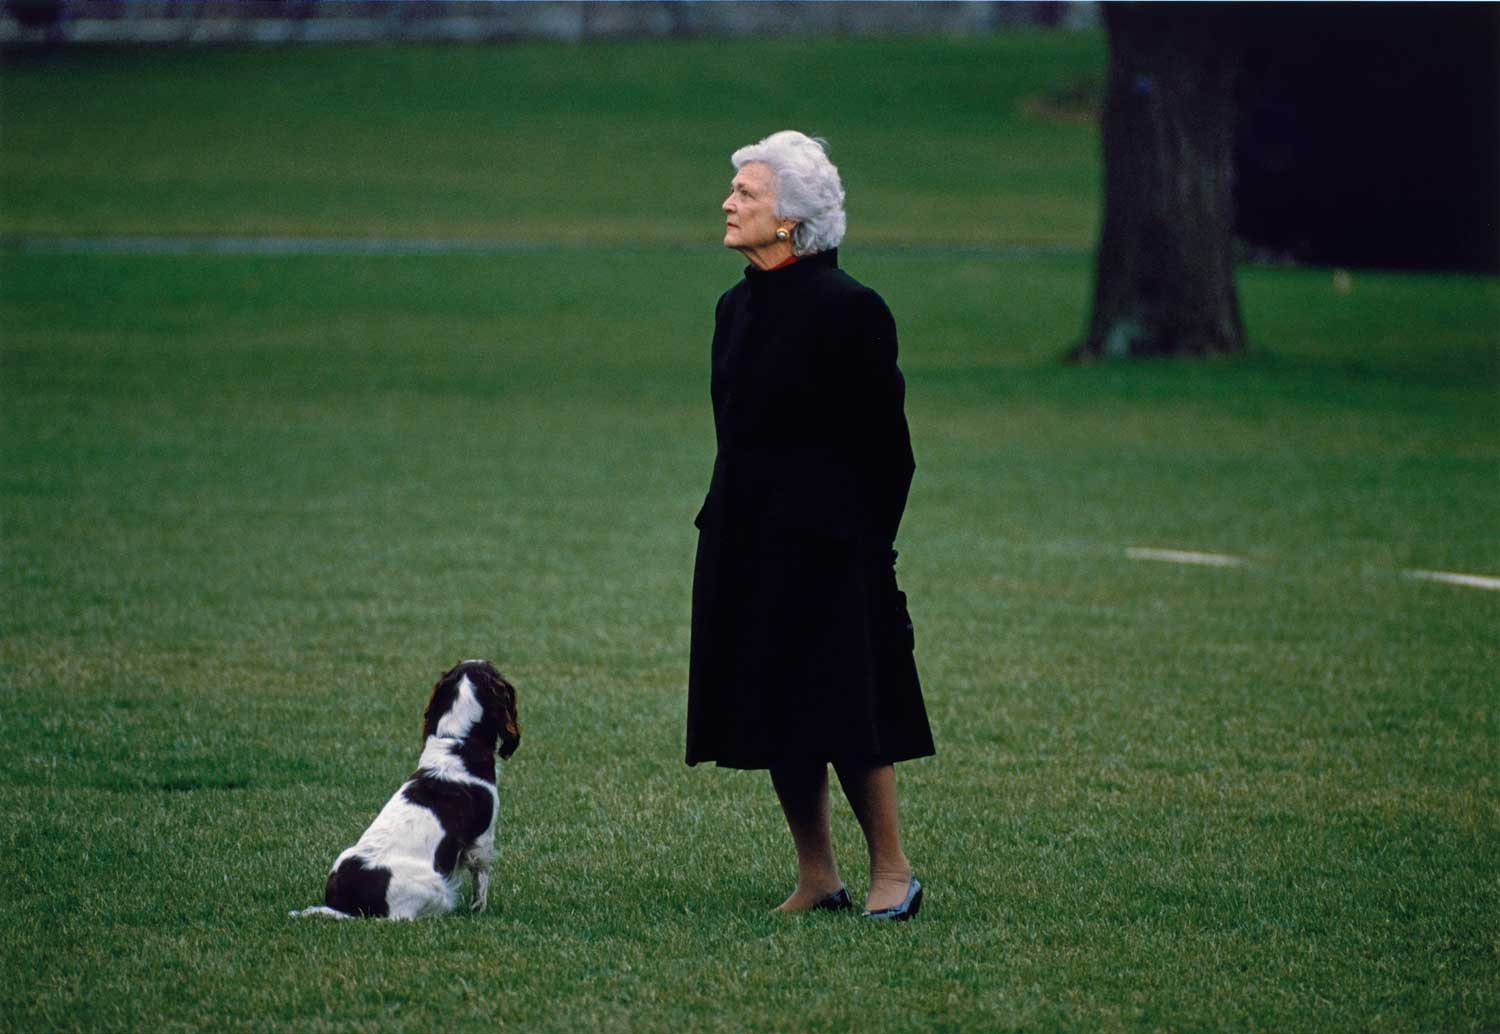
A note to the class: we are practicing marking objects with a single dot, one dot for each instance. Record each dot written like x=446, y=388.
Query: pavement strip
x=244, y=244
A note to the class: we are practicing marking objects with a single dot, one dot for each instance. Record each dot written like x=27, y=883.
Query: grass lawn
x=251, y=506
x=616, y=143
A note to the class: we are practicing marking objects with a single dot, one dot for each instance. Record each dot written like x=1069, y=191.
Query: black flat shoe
x=907, y=909
x=835, y=902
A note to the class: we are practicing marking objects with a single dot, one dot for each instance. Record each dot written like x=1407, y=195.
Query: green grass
x=624, y=143
x=253, y=505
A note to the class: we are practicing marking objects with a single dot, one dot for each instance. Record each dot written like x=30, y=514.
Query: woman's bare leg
x=872, y=795
x=803, y=790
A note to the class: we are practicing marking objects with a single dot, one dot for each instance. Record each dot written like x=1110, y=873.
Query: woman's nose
x=727, y=205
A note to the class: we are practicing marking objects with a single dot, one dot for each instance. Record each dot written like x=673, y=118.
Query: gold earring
x=782, y=235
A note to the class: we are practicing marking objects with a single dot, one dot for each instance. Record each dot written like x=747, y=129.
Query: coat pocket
x=903, y=633
x=892, y=619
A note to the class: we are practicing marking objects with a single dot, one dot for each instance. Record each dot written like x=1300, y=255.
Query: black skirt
x=807, y=657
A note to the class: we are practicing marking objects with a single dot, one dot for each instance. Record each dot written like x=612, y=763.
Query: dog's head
x=487, y=711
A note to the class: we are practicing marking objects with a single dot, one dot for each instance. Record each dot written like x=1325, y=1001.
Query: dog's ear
x=510, y=739
x=509, y=731
x=510, y=722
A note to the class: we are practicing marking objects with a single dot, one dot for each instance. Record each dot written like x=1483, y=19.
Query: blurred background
x=1360, y=136
x=469, y=21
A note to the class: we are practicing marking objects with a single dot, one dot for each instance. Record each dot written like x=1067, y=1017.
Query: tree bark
x=1164, y=277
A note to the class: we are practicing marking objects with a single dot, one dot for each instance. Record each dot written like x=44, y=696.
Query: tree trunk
x=1164, y=277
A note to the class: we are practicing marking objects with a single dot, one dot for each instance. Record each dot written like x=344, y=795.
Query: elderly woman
x=801, y=644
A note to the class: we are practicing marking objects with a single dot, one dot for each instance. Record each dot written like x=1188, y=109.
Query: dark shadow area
x=1369, y=135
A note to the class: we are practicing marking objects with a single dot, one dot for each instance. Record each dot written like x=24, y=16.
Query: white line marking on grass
x=1183, y=556
x=1473, y=581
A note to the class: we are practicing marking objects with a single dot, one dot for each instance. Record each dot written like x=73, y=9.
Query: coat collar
x=804, y=265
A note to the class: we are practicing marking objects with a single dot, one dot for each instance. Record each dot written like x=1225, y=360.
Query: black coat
x=802, y=644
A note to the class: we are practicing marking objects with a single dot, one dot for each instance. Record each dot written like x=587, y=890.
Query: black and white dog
x=409, y=863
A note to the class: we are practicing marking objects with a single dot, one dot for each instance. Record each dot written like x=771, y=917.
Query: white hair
x=807, y=187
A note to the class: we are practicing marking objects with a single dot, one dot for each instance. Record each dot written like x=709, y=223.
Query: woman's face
x=750, y=209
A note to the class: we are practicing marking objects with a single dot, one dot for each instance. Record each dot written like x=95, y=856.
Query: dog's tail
x=321, y=910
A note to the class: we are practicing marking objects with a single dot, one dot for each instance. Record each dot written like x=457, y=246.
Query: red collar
x=789, y=260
